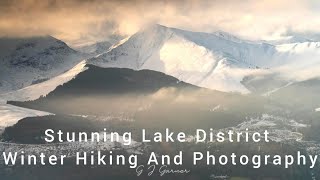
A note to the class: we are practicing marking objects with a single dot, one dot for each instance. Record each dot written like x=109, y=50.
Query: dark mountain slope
x=300, y=95
x=104, y=91
x=98, y=88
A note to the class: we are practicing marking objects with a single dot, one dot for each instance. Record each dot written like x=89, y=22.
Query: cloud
x=78, y=21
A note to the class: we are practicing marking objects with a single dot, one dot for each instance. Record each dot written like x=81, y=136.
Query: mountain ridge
x=217, y=60
x=213, y=60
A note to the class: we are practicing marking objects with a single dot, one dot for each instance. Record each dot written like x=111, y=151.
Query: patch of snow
x=317, y=110
x=215, y=108
x=280, y=128
x=294, y=123
x=10, y=115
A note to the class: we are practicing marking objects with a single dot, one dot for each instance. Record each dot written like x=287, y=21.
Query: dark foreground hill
x=104, y=90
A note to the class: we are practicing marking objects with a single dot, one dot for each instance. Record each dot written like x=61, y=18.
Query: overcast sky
x=82, y=21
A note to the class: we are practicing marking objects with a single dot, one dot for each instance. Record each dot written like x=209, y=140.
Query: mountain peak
x=152, y=29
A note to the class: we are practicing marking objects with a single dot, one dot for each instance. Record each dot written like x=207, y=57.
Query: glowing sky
x=82, y=21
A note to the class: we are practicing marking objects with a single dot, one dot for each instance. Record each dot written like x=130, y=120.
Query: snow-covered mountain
x=214, y=60
x=208, y=60
x=26, y=61
x=96, y=48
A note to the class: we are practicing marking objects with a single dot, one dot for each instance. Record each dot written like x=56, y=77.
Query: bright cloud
x=78, y=21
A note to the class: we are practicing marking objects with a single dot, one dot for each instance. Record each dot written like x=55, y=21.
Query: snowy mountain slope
x=178, y=53
x=299, y=49
x=27, y=61
x=96, y=48
x=302, y=60
x=217, y=60
x=298, y=62
x=42, y=89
